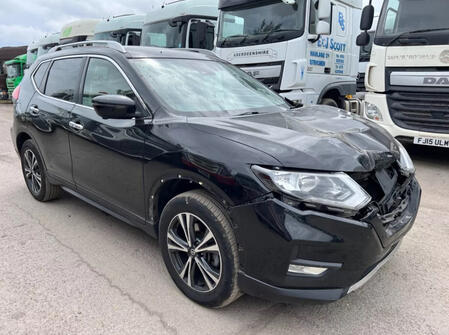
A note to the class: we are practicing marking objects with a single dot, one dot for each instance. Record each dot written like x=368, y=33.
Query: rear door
x=57, y=85
x=107, y=154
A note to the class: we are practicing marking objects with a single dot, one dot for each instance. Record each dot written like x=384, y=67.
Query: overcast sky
x=23, y=21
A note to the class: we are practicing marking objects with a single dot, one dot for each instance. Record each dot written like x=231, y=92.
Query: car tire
x=35, y=174
x=211, y=278
x=329, y=102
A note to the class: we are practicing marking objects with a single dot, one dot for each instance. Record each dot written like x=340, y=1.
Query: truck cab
x=407, y=78
x=124, y=29
x=46, y=43
x=14, y=72
x=303, y=49
x=32, y=51
x=78, y=31
x=182, y=24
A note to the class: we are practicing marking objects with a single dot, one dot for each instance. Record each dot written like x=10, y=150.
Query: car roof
x=134, y=52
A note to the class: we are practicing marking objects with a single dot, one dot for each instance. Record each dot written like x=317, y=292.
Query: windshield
x=206, y=88
x=261, y=24
x=13, y=70
x=161, y=34
x=404, y=16
x=365, y=51
x=124, y=37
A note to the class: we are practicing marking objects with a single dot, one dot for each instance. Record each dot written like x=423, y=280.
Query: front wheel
x=329, y=102
x=199, y=249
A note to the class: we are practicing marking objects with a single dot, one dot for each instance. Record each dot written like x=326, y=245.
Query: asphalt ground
x=68, y=268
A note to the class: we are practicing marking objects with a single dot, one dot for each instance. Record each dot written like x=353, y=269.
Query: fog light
x=372, y=112
x=306, y=270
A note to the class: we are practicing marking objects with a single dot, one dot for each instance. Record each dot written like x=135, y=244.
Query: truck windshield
x=206, y=88
x=261, y=23
x=13, y=70
x=162, y=34
x=124, y=37
x=410, y=22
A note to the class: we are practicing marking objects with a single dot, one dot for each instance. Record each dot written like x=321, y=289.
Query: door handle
x=34, y=111
x=76, y=126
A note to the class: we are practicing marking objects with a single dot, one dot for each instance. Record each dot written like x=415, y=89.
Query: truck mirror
x=323, y=28
x=363, y=39
x=366, y=22
x=324, y=10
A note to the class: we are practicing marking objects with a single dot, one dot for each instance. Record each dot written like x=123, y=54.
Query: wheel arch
x=172, y=185
x=338, y=91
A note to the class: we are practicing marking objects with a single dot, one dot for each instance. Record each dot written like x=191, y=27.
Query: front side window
x=202, y=35
x=124, y=37
x=64, y=79
x=206, y=88
x=163, y=35
x=408, y=18
x=103, y=77
x=265, y=22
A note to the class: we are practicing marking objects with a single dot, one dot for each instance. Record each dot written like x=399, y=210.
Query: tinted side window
x=103, y=77
x=64, y=78
x=39, y=75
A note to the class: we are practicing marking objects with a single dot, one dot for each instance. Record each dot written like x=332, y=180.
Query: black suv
x=244, y=192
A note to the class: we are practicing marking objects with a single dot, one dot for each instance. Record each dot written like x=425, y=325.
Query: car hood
x=314, y=138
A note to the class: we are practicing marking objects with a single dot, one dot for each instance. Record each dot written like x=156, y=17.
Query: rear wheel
x=199, y=249
x=35, y=174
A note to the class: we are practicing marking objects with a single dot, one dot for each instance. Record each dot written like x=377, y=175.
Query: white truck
x=407, y=78
x=182, y=24
x=303, y=49
x=46, y=43
x=125, y=29
x=32, y=51
x=78, y=31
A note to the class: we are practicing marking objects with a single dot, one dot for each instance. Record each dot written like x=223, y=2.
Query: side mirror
x=363, y=39
x=366, y=22
x=323, y=28
x=324, y=10
x=117, y=107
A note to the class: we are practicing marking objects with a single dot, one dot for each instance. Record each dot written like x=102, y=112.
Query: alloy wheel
x=32, y=171
x=194, y=252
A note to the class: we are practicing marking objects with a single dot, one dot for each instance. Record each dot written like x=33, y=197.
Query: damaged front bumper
x=273, y=235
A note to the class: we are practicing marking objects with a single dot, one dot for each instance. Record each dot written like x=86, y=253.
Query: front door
x=107, y=154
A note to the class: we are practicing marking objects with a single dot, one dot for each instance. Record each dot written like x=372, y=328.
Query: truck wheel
x=199, y=249
x=35, y=174
x=329, y=102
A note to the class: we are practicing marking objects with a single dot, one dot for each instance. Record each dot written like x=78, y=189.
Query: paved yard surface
x=68, y=268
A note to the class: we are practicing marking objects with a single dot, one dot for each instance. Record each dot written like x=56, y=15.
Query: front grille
x=420, y=111
x=361, y=82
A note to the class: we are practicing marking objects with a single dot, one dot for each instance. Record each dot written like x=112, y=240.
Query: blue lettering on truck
x=329, y=43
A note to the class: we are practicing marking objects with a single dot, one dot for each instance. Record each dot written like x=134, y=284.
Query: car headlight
x=405, y=162
x=372, y=112
x=330, y=189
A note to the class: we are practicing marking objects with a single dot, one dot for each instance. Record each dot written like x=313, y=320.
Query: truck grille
x=361, y=82
x=420, y=111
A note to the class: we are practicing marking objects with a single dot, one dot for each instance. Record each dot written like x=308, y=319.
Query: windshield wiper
x=404, y=34
x=248, y=113
x=227, y=39
x=276, y=31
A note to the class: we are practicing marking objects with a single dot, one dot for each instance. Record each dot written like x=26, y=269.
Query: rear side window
x=39, y=75
x=103, y=77
x=64, y=79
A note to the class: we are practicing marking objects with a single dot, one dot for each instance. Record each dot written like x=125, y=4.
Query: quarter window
x=103, y=77
x=64, y=79
x=40, y=74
